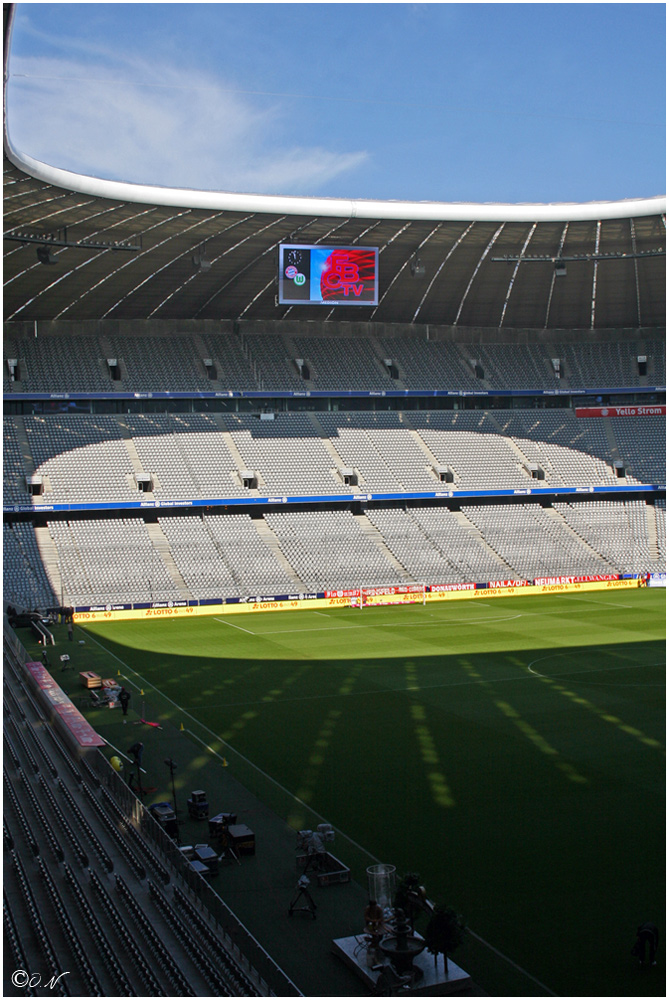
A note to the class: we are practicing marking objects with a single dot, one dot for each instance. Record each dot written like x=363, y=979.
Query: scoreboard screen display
x=327, y=275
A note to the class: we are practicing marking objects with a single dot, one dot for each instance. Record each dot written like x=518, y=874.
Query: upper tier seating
x=287, y=453
x=159, y=363
x=338, y=363
x=247, y=360
x=56, y=364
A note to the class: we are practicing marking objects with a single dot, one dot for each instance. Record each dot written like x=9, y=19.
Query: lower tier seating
x=128, y=560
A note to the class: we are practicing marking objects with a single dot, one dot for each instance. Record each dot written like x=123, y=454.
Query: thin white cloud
x=151, y=123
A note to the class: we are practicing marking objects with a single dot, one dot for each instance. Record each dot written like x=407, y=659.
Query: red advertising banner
x=415, y=588
x=437, y=588
x=547, y=581
x=495, y=584
x=78, y=726
x=642, y=410
x=406, y=588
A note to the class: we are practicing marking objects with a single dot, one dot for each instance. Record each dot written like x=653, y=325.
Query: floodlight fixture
x=417, y=266
x=45, y=255
x=586, y=257
x=200, y=259
x=60, y=238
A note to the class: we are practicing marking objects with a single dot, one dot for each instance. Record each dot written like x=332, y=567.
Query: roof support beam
x=476, y=271
x=457, y=243
x=550, y=294
x=515, y=272
x=598, y=234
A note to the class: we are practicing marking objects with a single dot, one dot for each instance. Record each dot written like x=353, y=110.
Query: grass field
x=511, y=752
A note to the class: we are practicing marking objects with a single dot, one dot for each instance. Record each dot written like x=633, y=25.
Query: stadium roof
x=130, y=251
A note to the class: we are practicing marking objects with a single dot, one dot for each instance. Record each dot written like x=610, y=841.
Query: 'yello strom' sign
x=640, y=410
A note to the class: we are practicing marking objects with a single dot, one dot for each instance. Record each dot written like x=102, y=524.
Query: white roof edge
x=413, y=211
x=331, y=207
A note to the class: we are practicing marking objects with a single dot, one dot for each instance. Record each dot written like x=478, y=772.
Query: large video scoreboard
x=328, y=275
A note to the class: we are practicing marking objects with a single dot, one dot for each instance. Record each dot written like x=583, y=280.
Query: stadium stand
x=618, y=531
x=25, y=578
x=136, y=573
x=126, y=945
x=250, y=360
x=644, y=455
x=129, y=424
x=181, y=457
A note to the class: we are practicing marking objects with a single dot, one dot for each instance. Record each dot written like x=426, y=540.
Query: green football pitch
x=510, y=751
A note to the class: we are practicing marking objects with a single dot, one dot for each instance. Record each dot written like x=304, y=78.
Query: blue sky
x=437, y=101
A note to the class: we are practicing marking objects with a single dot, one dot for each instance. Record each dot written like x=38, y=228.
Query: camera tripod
x=302, y=892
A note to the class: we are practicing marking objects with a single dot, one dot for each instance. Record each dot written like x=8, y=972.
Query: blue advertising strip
x=327, y=498
x=205, y=602
x=8, y=397
x=653, y=579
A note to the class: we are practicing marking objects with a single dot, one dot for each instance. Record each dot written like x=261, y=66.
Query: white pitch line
x=440, y=621
x=518, y=968
x=607, y=604
x=299, y=802
x=344, y=628
x=232, y=750
x=223, y=622
x=466, y=682
x=591, y=670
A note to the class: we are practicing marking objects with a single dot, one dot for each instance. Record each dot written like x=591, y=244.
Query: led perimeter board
x=327, y=275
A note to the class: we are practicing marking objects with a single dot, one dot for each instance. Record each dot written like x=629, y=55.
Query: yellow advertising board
x=369, y=600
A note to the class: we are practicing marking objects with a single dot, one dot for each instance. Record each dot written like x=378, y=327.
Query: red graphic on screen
x=349, y=274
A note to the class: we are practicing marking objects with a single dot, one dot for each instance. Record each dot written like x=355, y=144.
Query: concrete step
x=555, y=515
x=229, y=442
x=50, y=560
x=272, y=542
x=652, y=532
x=337, y=461
x=506, y=571
x=130, y=446
x=162, y=548
x=375, y=536
x=24, y=445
